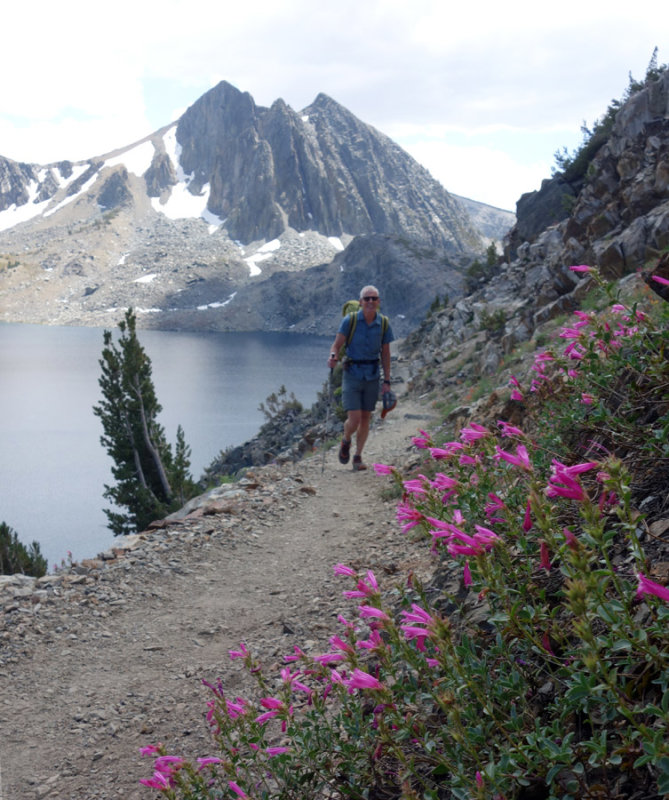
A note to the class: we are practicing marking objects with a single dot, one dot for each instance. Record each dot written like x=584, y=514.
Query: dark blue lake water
x=52, y=465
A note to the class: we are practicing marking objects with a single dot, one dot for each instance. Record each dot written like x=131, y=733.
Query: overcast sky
x=480, y=93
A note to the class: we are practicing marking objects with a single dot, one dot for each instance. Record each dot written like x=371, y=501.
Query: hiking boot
x=344, y=452
x=358, y=466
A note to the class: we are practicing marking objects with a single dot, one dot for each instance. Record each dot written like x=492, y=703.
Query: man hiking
x=367, y=335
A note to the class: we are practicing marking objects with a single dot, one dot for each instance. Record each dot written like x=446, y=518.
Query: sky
x=481, y=94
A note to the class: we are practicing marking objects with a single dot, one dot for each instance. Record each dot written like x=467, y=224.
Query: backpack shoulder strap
x=384, y=326
x=352, y=322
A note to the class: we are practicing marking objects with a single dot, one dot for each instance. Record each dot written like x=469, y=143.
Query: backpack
x=351, y=307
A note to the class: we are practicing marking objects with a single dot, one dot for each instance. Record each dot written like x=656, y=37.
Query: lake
x=52, y=465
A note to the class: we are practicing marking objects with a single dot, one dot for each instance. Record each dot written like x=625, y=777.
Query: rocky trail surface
x=108, y=656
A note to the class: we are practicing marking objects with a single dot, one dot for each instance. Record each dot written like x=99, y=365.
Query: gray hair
x=366, y=289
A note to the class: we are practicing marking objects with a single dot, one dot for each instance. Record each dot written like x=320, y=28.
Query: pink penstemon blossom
x=443, y=482
x=446, y=451
x=467, y=575
x=509, y=430
x=659, y=279
x=342, y=569
x=158, y=781
x=209, y=761
x=369, y=612
x=277, y=750
x=408, y=517
x=364, y=589
x=527, y=520
x=329, y=658
x=362, y=680
x=150, y=749
x=581, y=268
x=562, y=482
x=237, y=789
x=417, y=486
x=473, y=433
x=544, y=556
x=241, y=653
x=383, y=469
x=423, y=441
x=373, y=642
x=646, y=586
x=418, y=614
x=519, y=459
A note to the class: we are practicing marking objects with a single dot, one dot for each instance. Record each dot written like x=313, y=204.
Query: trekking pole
x=327, y=420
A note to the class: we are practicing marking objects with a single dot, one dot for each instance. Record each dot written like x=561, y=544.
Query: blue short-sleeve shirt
x=366, y=345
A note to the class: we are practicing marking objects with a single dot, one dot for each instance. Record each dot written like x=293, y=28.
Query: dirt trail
x=85, y=682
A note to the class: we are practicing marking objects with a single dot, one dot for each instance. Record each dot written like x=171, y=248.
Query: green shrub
x=16, y=558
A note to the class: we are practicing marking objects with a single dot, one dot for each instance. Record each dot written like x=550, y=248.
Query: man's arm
x=334, y=350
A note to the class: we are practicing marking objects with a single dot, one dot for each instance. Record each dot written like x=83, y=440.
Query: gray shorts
x=358, y=394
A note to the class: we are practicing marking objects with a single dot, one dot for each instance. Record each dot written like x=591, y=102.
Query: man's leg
x=351, y=425
x=363, y=431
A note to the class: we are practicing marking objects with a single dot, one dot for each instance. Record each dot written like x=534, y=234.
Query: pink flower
x=418, y=614
x=234, y=709
x=520, y=459
x=443, y=482
x=367, y=612
x=562, y=482
x=447, y=450
x=417, y=486
x=467, y=575
x=587, y=399
x=422, y=442
x=646, y=586
x=342, y=569
x=158, y=781
x=509, y=430
x=545, y=557
x=658, y=279
x=276, y=751
x=238, y=790
x=516, y=395
x=408, y=517
x=364, y=589
x=473, y=432
x=382, y=469
x=527, y=522
x=271, y=702
x=150, y=750
x=581, y=268
x=571, y=540
x=374, y=642
x=362, y=680
x=262, y=718
x=208, y=761
x=329, y=658
x=241, y=653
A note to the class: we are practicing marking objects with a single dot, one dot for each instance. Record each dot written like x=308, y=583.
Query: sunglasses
x=370, y=299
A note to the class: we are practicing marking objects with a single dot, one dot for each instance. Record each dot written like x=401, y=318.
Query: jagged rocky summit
x=190, y=223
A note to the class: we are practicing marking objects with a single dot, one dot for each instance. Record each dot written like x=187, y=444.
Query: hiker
x=371, y=338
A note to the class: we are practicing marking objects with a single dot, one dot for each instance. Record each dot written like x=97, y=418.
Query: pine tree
x=149, y=481
x=17, y=558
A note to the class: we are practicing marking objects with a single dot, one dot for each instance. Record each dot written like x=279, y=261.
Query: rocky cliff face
x=189, y=222
x=619, y=222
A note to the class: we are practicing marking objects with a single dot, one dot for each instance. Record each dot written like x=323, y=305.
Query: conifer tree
x=150, y=482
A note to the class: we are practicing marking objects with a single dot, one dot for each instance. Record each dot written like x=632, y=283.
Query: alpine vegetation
x=536, y=662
